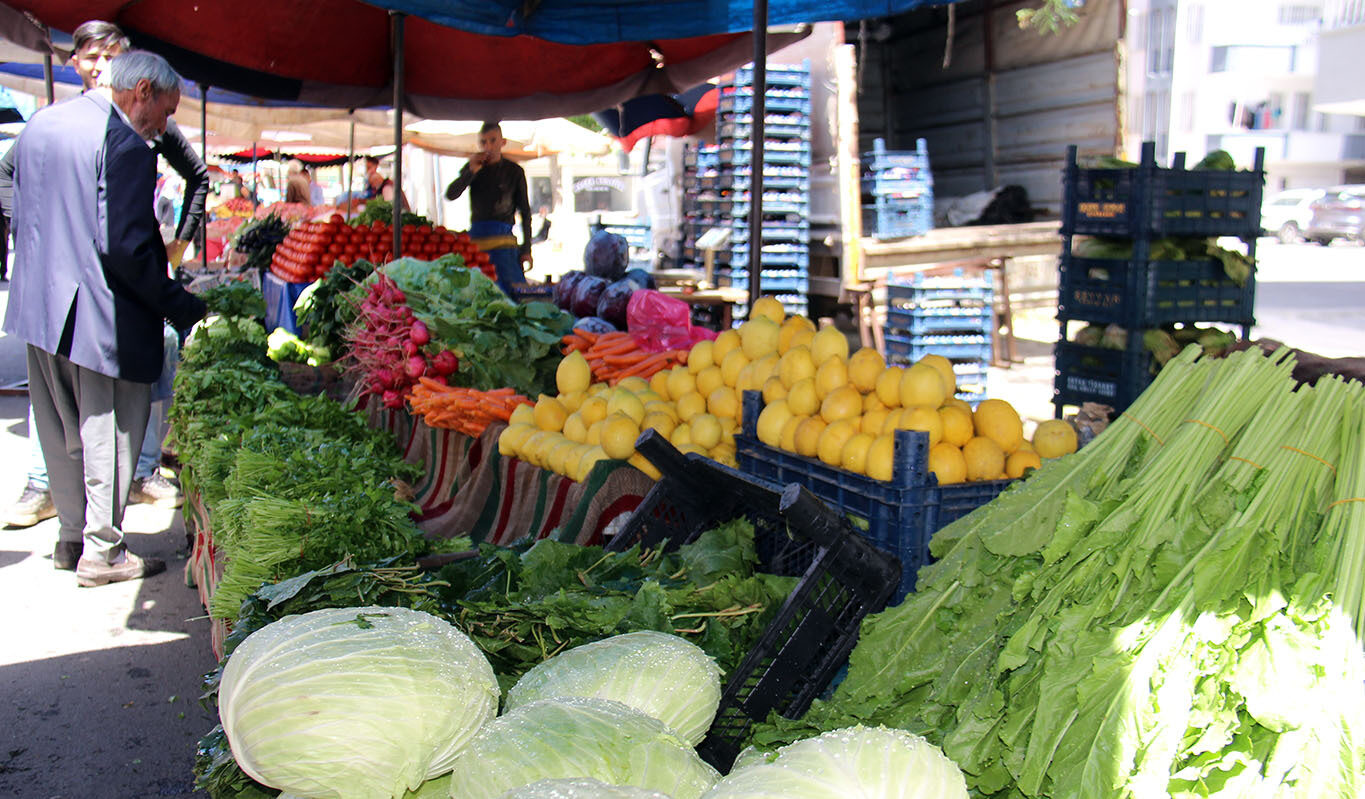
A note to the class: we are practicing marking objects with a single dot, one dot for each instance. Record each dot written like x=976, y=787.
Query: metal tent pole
x=255, y=179
x=397, y=17
x=350, y=169
x=756, y=162
x=50, y=90
x=204, y=156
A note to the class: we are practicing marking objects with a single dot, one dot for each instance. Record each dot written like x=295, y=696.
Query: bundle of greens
x=257, y=239
x=1168, y=612
x=235, y=298
x=1236, y=265
x=377, y=210
x=323, y=309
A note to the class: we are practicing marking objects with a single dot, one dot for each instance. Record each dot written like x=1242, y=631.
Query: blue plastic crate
x=777, y=260
x=1142, y=294
x=900, y=189
x=798, y=232
x=898, y=218
x=744, y=103
x=1094, y=374
x=921, y=293
x=791, y=182
x=771, y=130
x=881, y=159
x=954, y=348
x=1149, y=200
x=774, y=280
x=902, y=513
x=975, y=320
x=770, y=156
x=776, y=75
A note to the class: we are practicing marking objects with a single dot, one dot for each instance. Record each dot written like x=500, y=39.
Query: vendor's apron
x=496, y=239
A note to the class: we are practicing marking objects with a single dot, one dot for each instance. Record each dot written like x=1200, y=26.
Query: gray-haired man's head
x=146, y=88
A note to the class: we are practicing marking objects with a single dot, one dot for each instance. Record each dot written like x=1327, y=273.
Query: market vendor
x=497, y=193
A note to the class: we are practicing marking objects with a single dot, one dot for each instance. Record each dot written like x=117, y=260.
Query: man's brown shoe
x=91, y=572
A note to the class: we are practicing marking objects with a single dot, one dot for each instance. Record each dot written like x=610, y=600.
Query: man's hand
x=476, y=163
x=526, y=260
x=175, y=252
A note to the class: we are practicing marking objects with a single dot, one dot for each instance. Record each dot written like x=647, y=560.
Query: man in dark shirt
x=497, y=193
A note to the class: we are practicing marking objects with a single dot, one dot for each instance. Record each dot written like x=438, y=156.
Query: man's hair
x=97, y=30
x=491, y=125
x=294, y=165
x=134, y=65
x=369, y=159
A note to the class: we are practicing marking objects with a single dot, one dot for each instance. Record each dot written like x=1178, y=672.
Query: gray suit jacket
x=90, y=275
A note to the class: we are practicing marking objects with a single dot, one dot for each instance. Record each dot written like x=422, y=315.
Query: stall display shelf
x=775, y=280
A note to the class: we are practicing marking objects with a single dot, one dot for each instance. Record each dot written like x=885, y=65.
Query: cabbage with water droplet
x=354, y=703
x=579, y=789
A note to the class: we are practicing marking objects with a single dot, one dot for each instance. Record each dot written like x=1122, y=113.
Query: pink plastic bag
x=659, y=322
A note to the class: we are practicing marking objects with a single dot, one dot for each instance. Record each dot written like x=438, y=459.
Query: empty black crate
x=1142, y=294
x=1095, y=374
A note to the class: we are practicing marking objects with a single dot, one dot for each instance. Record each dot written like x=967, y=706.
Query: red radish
x=392, y=399
x=420, y=334
x=445, y=363
x=416, y=366
x=410, y=347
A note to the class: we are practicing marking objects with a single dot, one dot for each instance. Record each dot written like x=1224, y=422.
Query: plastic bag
x=659, y=322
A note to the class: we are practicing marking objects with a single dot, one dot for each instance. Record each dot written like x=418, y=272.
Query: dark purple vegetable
x=594, y=324
x=641, y=278
x=612, y=304
x=606, y=255
x=586, y=292
x=563, y=290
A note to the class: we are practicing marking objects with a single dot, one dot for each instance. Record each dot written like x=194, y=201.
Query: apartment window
x=1302, y=105
x=1160, y=41
x=1194, y=24
x=1253, y=59
x=1299, y=14
x=1187, y=111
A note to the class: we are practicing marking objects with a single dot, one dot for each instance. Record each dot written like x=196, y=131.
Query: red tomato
x=337, y=218
x=408, y=230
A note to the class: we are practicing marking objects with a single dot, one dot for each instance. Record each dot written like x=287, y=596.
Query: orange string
x=1344, y=501
x=1244, y=460
x=1211, y=427
x=1311, y=455
x=1139, y=423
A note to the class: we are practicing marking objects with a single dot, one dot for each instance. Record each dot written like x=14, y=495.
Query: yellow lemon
x=1020, y=461
x=828, y=343
x=513, y=437
x=830, y=447
x=595, y=432
x=693, y=449
x=557, y=457
x=831, y=374
x=643, y=464
x=682, y=435
x=731, y=366
x=764, y=368
x=921, y=384
x=791, y=328
x=723, y=453
x=871, y=403
x=572, y=402
x=705, y=430
x=801, y=397
x=661, y=422
x=599, y=390
x=948, y=464
x=593, y=409
x=888, y=386
x=957, y=425
x=758, y=337
x=623, y=401
x=843, y=402
x=873, y=421
x=773, y=390
x=634, y=384
x=659, y=382
x=659, y=406
x=589, y=459
x=958, y=403
x=771, y=422
x=854, y=456
x=550, y=414
x=723, y=402
x=795, y=365
x=864, y=367
x=1054, y=438
x=879, y=458
x=689, y=405
x=944, y=367
x=997, y=420
x=787, y=440
x=575, y=429
x=726, y=342
x=709, y=380
x=745, y=381
x=923, y=419
x=680, y=381
x=523, y=414
x=701, y=356
x=573, y=374
x=985, y=459
x=619, y=432
x=769, y=308
x=803, y=338
x=807, y=439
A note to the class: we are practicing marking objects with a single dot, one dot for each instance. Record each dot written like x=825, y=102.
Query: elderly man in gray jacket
x=89, y=292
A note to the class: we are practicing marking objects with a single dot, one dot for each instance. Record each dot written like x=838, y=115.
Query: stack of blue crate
x=898, y=192
x=948, y=316
x=702, y=196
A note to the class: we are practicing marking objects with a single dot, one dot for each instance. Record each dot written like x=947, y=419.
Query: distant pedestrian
x=89, y=292
x=497, y=194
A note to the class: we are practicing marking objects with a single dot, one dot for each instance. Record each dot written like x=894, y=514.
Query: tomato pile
x=312, y=248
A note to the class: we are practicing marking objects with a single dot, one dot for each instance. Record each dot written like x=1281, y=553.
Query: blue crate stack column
x=898, y=192
x=786, y=178
x=701, y=198
x=1143, y=205
x=950, y=316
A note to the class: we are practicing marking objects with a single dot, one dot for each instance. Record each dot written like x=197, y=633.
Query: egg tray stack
x=951, y=316
x=1142, y=205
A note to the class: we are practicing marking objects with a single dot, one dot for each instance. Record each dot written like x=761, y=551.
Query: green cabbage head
x=354, y=703
x=658, y=674
x=579, y=789
x=854, y=761
x=573, y=738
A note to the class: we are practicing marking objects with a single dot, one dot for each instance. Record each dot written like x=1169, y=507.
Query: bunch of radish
x=389, y=345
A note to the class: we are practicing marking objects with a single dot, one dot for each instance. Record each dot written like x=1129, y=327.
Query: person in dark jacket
x=89, y=294
x=497, y=193
x=96, y=43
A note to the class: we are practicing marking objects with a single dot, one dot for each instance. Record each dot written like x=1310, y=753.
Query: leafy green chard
x=235, y=298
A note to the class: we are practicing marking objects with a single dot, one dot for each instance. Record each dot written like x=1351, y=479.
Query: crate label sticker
x=1102, y=388
x=1107, y=210
x=1098, y=299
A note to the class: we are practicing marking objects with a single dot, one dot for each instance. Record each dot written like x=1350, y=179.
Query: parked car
x=1338, y=214
x=1285, y=214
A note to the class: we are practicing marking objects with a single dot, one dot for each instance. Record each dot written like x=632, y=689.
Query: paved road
x=1312, y=297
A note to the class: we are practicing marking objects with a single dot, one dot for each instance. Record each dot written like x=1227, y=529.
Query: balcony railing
x=1343, y=14
x=1291, y=145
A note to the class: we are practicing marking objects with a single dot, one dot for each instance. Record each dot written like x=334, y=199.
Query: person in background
x=89, y=296
x=377, y=185
x=315, y=195
x=236, y=188
x=497, y=193
x=96, y=43
x=297, y=189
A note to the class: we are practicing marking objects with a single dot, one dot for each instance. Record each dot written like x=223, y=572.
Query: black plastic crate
x=1095, y=374
x=843, y=579
x=1140, y=294
x=1150, y=200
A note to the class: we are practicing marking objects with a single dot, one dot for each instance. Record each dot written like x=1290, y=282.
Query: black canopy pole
x=756, y=162
x=204, y=156
x=47, y=79
x=350, y=169
x=397, y=17
x=255, y=178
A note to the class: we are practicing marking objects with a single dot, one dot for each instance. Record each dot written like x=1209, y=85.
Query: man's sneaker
x=156, y=490
x=67, y=554
x=90, y=572
x=34, y=505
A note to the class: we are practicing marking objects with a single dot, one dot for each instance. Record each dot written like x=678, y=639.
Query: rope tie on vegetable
x=1244, y=460
x=1139, y=423
x=1311, y=455
x=1344, y=501
x=1221, y=434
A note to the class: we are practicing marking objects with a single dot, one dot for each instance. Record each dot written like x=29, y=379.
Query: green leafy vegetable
x=235, y=298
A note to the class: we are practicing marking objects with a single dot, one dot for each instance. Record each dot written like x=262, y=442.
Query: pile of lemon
x=820, y=402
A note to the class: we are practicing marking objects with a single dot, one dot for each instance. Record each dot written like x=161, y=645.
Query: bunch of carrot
x=615, y=356
x=466, y=410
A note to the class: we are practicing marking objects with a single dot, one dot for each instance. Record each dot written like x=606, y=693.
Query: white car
x=1285, y=214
